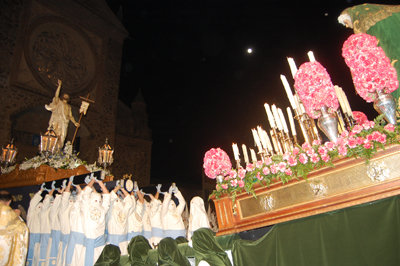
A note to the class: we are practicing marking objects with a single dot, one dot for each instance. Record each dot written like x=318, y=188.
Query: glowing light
x=249, y=50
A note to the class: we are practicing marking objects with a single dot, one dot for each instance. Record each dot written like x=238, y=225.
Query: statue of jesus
x=60, y=115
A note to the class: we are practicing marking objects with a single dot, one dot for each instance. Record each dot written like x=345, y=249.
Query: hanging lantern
x=48, y=142
x=8, y=154
x=105, y=155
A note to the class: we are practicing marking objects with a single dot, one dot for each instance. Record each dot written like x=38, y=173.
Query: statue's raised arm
x=61, y=114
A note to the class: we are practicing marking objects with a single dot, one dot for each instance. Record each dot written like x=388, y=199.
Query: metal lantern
x=105, y=155
x=8, y=154
x=48, y=142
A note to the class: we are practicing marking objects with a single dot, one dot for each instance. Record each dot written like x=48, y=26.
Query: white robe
x=198, y=216
x=146, y=221
x=75, y=253
x=33, y=223
x=94, y=212
x=155, y=222
x=171, y=216
x=55, y=233
x=64, y=214
x=135, y=220
x=45, y=229
x=117, y=222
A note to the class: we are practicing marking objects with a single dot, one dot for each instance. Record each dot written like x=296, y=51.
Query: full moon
x=249, y=50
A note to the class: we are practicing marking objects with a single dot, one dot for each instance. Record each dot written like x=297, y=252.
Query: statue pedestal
x=350, y=182
x=44, y=173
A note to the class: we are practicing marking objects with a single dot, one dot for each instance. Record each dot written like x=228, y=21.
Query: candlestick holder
x=316, y=135
x=278, y=138
x=299, y=119
x=263, y=155
x=288, y=142
x=349, y=121
x=295, y=141
x=238, y=166
x=341, y=124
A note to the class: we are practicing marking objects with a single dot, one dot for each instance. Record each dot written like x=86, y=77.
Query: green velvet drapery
x=367, y=234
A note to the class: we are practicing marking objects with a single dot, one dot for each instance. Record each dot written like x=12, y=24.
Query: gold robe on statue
x=14, y=237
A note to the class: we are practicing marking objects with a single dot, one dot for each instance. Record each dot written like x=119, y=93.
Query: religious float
x=286, y=180
x=55, y=161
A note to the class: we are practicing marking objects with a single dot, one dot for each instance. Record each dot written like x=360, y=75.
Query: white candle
x=253, y=156
x=288, y=91
x=297, y=102
x=269, y=115
x=235, y=151
x=340, y=98
x=265, y=134
x=256, y=139
x=302, y=108
x=311, y=56
x=283, y=120
x=291, y=121
x=246, y=156
x=262, y=138
x=292, y=65
x=276, y=117
x=346, y=102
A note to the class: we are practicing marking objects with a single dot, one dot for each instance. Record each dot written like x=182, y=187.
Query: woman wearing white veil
x=198, y=216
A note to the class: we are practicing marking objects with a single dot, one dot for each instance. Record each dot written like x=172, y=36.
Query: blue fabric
x=147, y=234
x=91, y=244
x=157, y=232
x=75, y=238
x=64, y=243
x=133, y=234
x=116, y=239
x=55, y=240
x=44, y=241
x=33, y=239
x=174, y=233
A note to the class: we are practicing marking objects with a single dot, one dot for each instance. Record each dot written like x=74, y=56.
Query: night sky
x=202, y=89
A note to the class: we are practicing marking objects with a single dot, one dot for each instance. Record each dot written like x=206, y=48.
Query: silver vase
x=328, y=123
x=386, y=105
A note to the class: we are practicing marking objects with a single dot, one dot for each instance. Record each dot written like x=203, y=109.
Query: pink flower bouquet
x=216, y=162
x=369, y=66
x=315, y=89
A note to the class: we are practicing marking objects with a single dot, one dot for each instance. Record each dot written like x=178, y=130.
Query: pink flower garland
x=216, y=162
x=370, y=67
x=315, y=89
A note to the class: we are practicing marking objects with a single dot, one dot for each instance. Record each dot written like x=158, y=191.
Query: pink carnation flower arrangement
x=216, y=162
x=360, y=117
x=362, y=140
x=369, y=66
x=315, y=89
